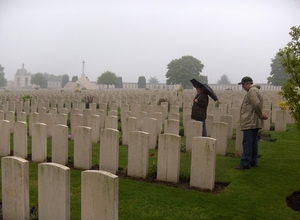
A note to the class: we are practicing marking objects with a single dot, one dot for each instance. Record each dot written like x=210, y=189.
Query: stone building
x=82, y=83
x=22, y=78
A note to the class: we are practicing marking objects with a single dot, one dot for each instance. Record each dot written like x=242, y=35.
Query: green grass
x=257, y=193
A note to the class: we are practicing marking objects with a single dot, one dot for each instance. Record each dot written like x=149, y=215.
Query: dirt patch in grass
x=182, y=184
x=293, y=201
x=219, y=187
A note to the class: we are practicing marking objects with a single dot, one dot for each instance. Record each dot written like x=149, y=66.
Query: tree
x=3, y=81
x=107, y=78
x=53, y=78
x=153, y=80
x=278, y=75
x=224, y=80
x=142, y=82
x=39, y=80
x=74, y=78
x=64, y=80
x=181, y=71
x=120, y=83
x=290, y=60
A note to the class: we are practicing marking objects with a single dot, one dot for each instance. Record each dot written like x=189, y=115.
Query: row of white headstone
x=203, y=163
x=139, y=133
x=99, y=191
x=109, y=146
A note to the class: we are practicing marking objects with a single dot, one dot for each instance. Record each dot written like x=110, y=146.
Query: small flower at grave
x=77, y=90
x=283, y=105
x=151, y=155
x=69, y=137
x=34, y=212
x=180, y=90
x=95, y=153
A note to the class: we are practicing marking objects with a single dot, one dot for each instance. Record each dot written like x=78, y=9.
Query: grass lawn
x=257, y=193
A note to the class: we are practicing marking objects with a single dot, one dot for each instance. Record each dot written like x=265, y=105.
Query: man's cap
x=246, y=79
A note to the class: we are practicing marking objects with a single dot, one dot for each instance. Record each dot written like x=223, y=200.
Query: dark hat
x=246, y=79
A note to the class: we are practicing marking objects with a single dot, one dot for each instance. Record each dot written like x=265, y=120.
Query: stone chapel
x=22, y=78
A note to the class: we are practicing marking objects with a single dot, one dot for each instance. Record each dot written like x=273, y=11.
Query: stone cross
x=82, y=75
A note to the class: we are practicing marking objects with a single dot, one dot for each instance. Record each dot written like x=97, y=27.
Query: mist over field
x=140, y=38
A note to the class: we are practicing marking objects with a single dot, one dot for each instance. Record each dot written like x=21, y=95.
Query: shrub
x=164, y=100
x=69, y=123
x=26, y=97
x=283, y=105
x=88, y=99
x=183, y=147
x=181, y=131
x=180, y=90
x=153, y=170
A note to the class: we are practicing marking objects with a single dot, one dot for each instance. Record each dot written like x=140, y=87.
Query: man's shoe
x=241, y=168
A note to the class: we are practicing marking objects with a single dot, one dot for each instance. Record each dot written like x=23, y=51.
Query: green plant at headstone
x=164, y=100
x=69, y=123
x=152, y=170
x=87, y=100
x=180, y=90
x=34, y=215
x=26, y=97
x=182, y=147
x=181, y=131
x=283, y=105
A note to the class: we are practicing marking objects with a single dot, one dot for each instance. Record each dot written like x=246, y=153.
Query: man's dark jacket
x=199, y=109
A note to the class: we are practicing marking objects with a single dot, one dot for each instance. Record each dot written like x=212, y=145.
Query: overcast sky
x=135, y=38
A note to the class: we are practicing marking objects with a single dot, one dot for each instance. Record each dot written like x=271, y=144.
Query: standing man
x=199, y=108
x=251, y=117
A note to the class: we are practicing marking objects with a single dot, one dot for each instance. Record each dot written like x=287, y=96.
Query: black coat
x=199, y=109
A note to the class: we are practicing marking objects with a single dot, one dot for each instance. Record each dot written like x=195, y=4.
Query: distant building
x=82, y=83
x=128, y=85
x=54, y=84
x=22, y=78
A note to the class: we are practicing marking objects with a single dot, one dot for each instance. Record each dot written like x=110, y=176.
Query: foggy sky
x=135, y=38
